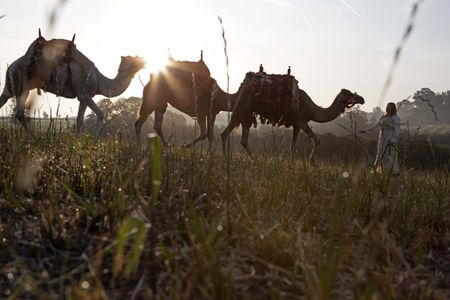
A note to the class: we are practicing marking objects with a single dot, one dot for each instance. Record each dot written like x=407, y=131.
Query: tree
x=426, y=106
x=121, y=114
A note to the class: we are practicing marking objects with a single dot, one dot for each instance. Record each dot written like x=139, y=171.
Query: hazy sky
x=330, y=44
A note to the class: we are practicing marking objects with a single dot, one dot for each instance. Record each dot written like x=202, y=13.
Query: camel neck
x=320, y=114
x=113, y=87
x=225, y=101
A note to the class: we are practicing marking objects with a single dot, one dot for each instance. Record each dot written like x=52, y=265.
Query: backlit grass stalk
x=398, y=51
x=156, y=185
x=225, y=49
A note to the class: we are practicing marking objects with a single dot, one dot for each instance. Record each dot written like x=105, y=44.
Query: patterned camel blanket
x=272, y=97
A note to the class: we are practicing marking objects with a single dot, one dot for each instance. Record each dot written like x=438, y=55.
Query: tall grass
x=228, y=195
x=398, y=51
x=74, y=216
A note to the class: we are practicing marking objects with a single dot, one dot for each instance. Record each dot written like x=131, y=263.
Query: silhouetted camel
x=188, y=87
x=276, y=99
x=56, y=66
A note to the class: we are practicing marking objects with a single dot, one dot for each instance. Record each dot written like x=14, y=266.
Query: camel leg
x=80, y=117
x=234, y=122
x=20, y=109
x=159, y=117
x=305, y=127
x=203, y=135
x=245, y=115
x=295, y=132
x=244, y=138
x=210, y=121
x=100, y=116
x=138, y=125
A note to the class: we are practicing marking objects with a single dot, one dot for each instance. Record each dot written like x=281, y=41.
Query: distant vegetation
x=427, y=107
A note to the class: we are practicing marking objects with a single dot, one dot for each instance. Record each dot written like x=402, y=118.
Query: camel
x=56, y=66
x=276, y=99
x=187, y=86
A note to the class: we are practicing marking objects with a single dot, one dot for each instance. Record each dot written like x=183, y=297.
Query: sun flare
x=155, y=64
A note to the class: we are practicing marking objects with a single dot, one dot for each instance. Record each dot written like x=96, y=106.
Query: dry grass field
x=76, y=220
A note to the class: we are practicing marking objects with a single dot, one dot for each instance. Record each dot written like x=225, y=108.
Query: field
x=91, y=218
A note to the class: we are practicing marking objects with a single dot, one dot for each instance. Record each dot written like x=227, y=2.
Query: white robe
x=387, y=151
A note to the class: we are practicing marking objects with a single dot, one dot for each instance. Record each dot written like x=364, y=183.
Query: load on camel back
x=193, y=76
x=272, y=97
x=50, y=61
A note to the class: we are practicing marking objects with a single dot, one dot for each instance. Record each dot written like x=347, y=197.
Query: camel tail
x=7, y=88
x=12, y=82
x=12, y=86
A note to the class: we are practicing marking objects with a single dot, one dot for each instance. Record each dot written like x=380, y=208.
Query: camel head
x=349, y=99
x=131, y=64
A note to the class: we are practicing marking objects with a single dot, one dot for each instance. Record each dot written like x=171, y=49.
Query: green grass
x=76, y=222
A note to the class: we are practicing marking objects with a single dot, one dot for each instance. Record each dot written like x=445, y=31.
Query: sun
x=155, y=63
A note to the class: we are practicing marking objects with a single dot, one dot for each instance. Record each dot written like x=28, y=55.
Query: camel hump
x=198, y=68
x=55, y=52
x=36, y=46
x=272, y=96
x=60, y=48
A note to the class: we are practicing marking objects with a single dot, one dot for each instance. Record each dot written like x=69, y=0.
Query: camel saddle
x=183, y=70
x=272, y=96
x=50, y=60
